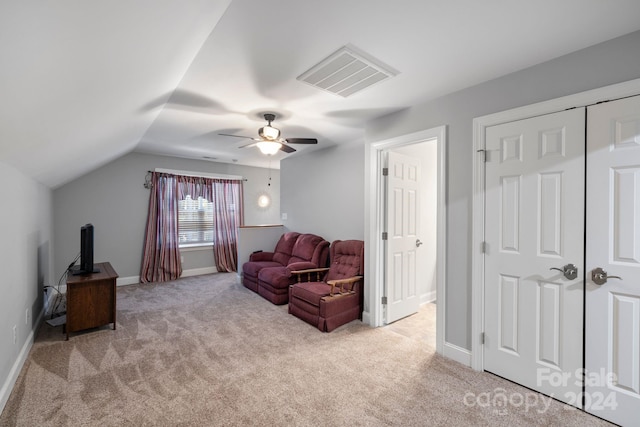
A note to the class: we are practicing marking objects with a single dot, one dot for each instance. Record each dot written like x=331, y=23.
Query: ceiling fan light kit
x=269, y=148
x=270, y=141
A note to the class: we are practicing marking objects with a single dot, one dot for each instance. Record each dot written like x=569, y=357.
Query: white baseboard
x=124, y=281
x=428, y=297
x=199, y=271
x=134, y=280
x=458, y=354
x=10, y=382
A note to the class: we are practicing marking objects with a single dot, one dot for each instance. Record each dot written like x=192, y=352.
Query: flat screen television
x=86, y=252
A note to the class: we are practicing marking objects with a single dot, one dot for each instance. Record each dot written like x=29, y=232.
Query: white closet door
x=612, y=342
x=534, y=223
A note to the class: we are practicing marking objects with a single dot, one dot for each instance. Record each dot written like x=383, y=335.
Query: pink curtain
x=161, y=253
x=195, y=187
x=228, y=215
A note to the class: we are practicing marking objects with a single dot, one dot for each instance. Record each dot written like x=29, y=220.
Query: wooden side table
x=91, y=299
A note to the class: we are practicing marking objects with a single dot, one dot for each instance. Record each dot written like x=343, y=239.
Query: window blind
x=195, y=222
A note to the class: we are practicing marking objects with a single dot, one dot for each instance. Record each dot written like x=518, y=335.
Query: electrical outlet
x=15, y=334
x=283, y=216
x=27, y=317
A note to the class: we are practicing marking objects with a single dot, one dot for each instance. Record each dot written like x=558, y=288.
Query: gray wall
x=25, y=262
x=114, y=200
x=611, y=62
x=322, y=193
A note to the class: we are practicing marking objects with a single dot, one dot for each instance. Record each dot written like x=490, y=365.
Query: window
x=195, y=222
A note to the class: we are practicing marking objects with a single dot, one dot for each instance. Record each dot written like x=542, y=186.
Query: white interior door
x=403, y=227
x=534, y=224
x=612, y=343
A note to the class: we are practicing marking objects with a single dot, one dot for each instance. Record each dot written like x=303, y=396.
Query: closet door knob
x=570, y=271
x=600, y=276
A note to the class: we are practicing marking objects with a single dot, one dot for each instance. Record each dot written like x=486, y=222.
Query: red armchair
x=337, y=298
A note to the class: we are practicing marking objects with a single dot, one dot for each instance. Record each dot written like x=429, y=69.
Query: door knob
x=599, y=276
x=570, y=271
x=418, y=243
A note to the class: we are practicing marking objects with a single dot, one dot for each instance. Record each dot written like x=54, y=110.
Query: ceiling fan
x=270, y=141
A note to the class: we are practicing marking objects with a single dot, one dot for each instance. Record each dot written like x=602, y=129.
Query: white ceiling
x=84, y=81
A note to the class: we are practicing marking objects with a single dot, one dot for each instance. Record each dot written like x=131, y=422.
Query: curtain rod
x=199, y=174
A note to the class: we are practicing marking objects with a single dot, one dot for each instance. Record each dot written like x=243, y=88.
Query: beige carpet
x=205, y=351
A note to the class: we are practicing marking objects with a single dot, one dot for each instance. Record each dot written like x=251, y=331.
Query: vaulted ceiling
x=83, y=82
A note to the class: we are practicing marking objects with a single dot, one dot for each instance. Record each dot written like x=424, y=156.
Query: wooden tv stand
x=91, y=299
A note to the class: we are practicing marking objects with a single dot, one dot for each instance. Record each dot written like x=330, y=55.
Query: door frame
x=620, y=90
x=374, y=226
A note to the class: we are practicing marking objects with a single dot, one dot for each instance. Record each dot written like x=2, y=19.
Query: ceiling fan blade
x=302, y=141
x=253, y=144
x=237, y=136
x=287, y=149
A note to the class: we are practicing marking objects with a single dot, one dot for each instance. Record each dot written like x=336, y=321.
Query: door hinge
x=385, y=171
x=483, y=153
x=483, y=247
x=384, y=300
x=482, y=338
x=385, y=235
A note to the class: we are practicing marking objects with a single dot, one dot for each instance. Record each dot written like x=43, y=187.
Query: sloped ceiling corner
x=76, y=74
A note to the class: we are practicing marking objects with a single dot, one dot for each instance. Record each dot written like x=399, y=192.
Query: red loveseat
x=269, y=273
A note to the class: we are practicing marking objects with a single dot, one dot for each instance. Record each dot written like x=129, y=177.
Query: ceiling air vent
x=346, y=72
